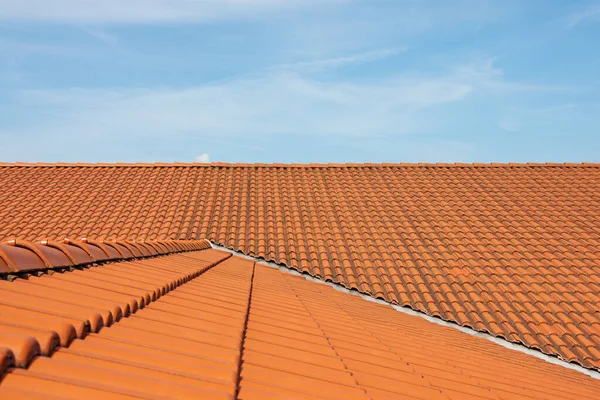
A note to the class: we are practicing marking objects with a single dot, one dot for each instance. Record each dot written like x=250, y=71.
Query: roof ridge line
x=299, y=165
x=407, y=310
x=48, y=255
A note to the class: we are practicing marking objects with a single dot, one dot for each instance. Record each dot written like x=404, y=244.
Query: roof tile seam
x=238, y=377
x=517, y=346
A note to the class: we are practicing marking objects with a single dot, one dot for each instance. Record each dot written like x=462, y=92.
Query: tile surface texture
x=512, y=250
x=209, y=325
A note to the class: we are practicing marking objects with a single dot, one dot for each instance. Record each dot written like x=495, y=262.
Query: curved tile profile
x=21, y=256
x=24, y=347
x=509, y=249
x=158, y=350
x=43, y=312
x=7, y=359
x=227, y=328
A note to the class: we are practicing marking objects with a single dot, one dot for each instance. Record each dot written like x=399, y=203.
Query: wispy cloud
x=591, y=12
x=252, y=76
x=509, y=123
x=487, y=75
x=337, y=62
x=274, y=101
x=141, y=11
x=101, y=35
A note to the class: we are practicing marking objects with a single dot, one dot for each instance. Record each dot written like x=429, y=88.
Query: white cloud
x=273, y=102
x=509, y=123
x=486, y=75
x=139, y=11
x=101, y=35
x=202, y=158
x=337, y=62
x=592, y=11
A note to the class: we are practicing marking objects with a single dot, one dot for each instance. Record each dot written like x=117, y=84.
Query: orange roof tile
x=223, y=327
x=24, y=257
x=507, y=249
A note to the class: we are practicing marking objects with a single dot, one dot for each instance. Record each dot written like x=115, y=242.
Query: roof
x=509, y=249
x=206, y=324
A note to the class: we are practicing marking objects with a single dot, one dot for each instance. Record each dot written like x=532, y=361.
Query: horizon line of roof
x=301, y=165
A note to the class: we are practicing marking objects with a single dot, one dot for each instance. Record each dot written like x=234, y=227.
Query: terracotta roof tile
x=224, y=327
x=507, y=249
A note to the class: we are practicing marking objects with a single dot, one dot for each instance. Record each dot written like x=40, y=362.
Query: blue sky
x=300, y=80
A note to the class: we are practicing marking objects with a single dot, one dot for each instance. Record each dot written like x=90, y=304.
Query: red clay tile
x=234, y=329
x=446, y=239
x=7, y=359
x=22, y=346
x=47, y=340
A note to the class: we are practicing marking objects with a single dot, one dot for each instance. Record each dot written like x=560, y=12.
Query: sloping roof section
x=512, y=250
x=206, y=324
